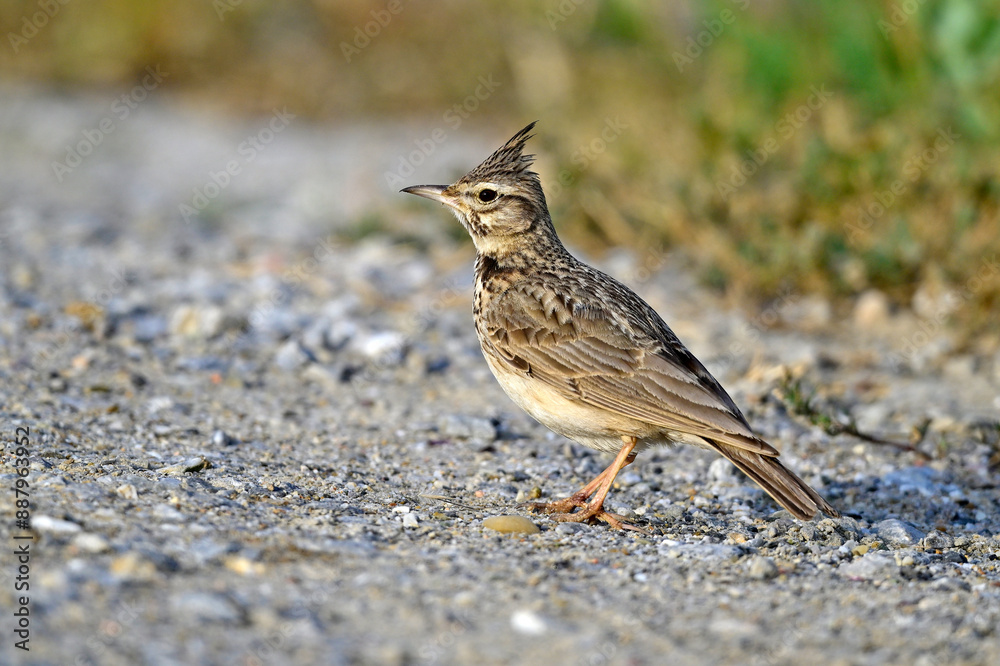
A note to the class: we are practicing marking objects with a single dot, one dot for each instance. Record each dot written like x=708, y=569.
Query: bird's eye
x=487, y=195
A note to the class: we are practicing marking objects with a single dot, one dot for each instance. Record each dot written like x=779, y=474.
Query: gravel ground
x=253, y=441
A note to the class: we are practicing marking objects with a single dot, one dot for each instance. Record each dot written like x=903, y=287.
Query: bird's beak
x=432, y=192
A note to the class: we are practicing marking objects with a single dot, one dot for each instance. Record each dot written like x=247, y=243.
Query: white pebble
x=54, y=525
x=528, y=622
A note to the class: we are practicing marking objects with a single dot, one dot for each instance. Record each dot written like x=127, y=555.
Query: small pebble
x=207, y=607
x=571, y=528
x=244, y=566
x=192, y=321
x=167, y=513
x=951, y=583
x=292, y=355
x=127, y=491
x=897, y=533
x=339, y=334
x=937, y=540
x=132, y=566
x=721, y=470
x=923, y=480
x=91, y=543
x=629, y=479
x=762, y=568
x=190, y=465
x=54, y=525
x=511, y=525
x=385, y=348
x=528, y=622
x=872, y=566
x=222, y=438
x=468, y=427
x=148, y=327
x=465, y=599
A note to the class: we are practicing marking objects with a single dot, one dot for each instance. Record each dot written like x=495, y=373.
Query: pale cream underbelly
x=588, y=425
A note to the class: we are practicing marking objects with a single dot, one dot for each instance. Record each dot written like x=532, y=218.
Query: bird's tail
x=778, y=481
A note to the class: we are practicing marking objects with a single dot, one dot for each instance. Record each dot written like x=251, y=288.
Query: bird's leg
x=599, y=487
x=595, y=508
x=577, y=499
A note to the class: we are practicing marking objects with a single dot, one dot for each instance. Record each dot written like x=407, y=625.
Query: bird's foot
x=563, y=506
x=565, y=510
x=562, y=511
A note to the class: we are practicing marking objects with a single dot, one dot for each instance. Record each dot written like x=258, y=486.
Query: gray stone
x=872, y=566
x=468, y=427
x=187, y=466
x=937, y=540
x=339, y=333
x=722, y=471
x=385, y=349
x=167, y=513
x=897, y=533
x=222, y=438
x=292, y=355
x=762, y=568
x=207, y=607
x=51, y=525
x=91, y=543
x=924, y=480
x=147, y=328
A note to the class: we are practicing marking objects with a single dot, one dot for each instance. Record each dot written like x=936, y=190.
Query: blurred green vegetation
x=868, y=132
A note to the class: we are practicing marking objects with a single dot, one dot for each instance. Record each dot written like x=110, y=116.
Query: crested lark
x=583, y=354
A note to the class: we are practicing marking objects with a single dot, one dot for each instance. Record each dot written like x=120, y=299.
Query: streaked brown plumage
x=582, y=353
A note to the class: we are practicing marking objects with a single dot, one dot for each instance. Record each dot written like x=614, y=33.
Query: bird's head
x=500, y=202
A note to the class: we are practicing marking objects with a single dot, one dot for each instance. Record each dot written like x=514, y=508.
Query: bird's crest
x=507, y=161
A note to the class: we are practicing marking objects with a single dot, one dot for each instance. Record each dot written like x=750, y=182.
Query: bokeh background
x=830, y=147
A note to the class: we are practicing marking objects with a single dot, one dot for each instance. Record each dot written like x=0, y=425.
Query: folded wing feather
x=612, y=367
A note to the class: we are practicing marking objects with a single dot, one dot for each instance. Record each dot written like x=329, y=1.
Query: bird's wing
x=589, y=355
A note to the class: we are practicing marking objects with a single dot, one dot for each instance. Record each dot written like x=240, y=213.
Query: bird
x=583, y=354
